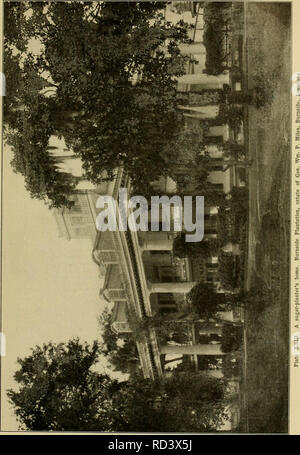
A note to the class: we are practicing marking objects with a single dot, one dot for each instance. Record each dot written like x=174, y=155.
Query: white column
x=202, y=112
x=198, y=349
x=204, y=80
x=192, y=49
x=171, y=287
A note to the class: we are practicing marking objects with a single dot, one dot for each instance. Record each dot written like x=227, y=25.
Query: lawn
x=268, y=62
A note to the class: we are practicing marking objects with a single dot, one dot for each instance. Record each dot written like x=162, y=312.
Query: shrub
x=232, y=337
x=231, y=366
x=228, y=271
x=204, y=301
x=257, y=299
x=216, y=18
x=183, y=249
x=232, y=216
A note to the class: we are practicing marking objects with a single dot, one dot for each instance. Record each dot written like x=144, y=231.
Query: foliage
x=183, y=402
x=231, y=114
x=257, y=299
x=43, y=179
x=265, y=85
x=121, y=351
x=234, y=150
x=204, y=97
x=177, y=330
x=114, y=104
x=232, y=215
x=174, y=326
x=187, y=151
x=228, y=270
x=231, y=365
x=240, y=96
x=207, y=362
x=239, y=201
x=183, y=249
x=125, y=359
x=59, y=391
x=204, y=301
x=232, y=337
x=109, y=337
x=261, y=94
x=213, y=198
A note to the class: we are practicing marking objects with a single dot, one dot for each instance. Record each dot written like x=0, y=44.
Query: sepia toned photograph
x=146, y=211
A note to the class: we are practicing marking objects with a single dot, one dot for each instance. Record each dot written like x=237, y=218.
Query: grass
x=267, y=315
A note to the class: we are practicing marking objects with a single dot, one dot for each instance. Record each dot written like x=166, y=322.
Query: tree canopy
x=205, y=302
x=59, y=389
x=216, y=19
x=185, y=401
x=120, y=351
x=101, y=80
x=183, y=249
x=232, y=337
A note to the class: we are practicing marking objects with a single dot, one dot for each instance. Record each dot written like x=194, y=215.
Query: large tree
x=103, y=80
x=205, y=302
x=120, y=351
x=59, y=389
x=186, y=401
x=216, y=16
x=43, y=178
x=203, y=249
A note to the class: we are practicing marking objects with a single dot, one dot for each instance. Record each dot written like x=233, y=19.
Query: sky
x=50, y=285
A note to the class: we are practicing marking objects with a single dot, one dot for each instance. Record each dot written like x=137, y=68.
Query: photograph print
x=146, y=216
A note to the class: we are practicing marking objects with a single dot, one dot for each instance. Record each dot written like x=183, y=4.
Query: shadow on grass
x=267, y=324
